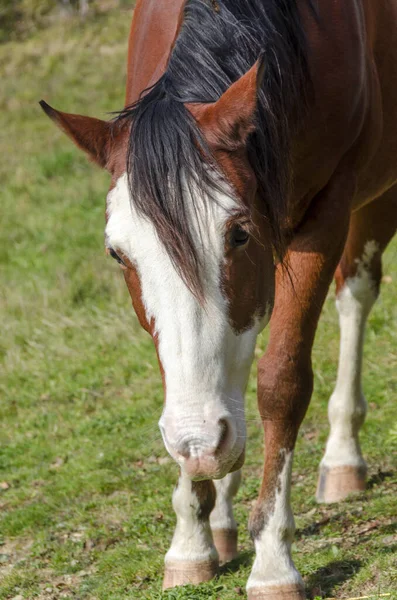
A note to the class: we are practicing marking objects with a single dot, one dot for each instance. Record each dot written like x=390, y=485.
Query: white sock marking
x=192, y=539
x=222, y=516
x=347, y=406
x=273, y=565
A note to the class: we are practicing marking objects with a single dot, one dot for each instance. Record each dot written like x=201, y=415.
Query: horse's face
x=205, y=346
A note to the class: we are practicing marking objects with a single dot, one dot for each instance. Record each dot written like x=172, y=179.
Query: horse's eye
x=116, y=257
x=239, y=236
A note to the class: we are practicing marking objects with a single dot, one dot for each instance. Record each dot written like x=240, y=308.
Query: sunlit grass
x=87, y=511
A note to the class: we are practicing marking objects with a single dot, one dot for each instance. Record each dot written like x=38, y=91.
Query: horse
x=254, y=162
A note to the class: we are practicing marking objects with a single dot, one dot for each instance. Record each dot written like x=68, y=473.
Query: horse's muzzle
x=204, y=450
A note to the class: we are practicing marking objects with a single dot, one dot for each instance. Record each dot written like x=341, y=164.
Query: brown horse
x=255, y=158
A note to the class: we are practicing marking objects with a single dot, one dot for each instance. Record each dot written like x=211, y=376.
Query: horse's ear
x=227, y=123
x=91, y=135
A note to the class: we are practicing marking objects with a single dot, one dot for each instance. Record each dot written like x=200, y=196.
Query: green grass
x=87, y=512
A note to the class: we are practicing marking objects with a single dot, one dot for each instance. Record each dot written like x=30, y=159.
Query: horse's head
x=200, y=273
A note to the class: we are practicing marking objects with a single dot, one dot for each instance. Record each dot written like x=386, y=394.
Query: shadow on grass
x=315, y=527
x=244, y=559
x=323, y=582
x=378, y=478
x=389, y=550
x=387, y=528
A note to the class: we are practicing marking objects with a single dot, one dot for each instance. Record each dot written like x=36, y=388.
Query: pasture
x=85, y=482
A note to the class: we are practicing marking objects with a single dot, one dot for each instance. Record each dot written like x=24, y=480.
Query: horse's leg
x=285, y=382
x=223, y=524
x=358, y=276
x=192, y=557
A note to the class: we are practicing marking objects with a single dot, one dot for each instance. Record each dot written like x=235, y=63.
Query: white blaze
x=206, y=364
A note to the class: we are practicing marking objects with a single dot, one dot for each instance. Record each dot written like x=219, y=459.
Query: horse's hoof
x=184, y=572
x=337, y=483
x=225, y=541
x=277, y=592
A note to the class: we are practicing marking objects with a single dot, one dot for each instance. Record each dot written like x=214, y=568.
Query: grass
x=85, y=493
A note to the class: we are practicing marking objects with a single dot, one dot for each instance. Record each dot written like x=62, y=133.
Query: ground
x=85, y=483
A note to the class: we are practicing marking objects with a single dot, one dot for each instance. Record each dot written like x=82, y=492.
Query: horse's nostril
x=223, y=435
x=184, y=450
x=212, y=440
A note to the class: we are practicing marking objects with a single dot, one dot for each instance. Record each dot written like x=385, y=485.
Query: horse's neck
x=153, y=29
x=337, y=112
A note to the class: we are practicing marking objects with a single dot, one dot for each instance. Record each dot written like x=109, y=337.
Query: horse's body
x=339, y=215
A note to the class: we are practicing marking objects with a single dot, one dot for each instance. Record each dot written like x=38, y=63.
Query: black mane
x=218, y=42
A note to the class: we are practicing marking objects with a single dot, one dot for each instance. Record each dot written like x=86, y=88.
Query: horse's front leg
x=274, y=576
x=284, y=390
x=192, y=557
x=223, y=523
x=200, y=542
x=285, y=382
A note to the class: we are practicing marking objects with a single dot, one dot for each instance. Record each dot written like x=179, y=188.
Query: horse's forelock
x=166, y=144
